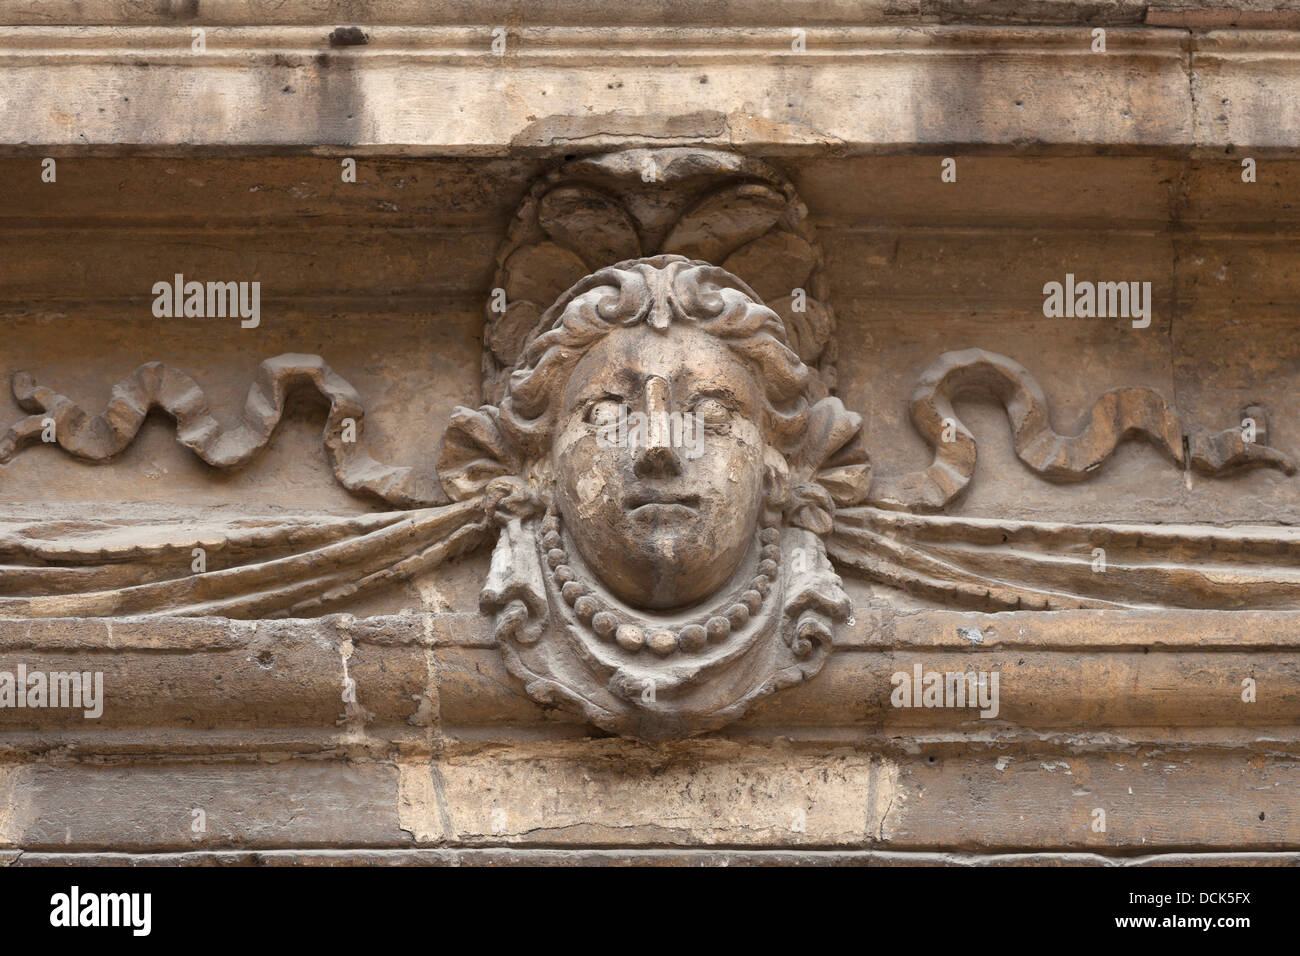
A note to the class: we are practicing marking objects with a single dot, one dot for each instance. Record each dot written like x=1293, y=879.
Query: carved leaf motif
x=773, y=265
x=598, y=211
x=724, y=221
x=539, y=273
x=507, y=335
x=474, y=452
x=830, y=468
x=593, y=225
x=807, y=330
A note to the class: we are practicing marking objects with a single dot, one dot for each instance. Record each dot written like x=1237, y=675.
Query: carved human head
x=658, y=406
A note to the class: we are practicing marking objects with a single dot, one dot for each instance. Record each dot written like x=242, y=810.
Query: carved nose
x=657, y=462
x=657, y=459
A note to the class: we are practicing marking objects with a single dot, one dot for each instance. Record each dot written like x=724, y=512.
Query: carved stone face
x=664, y=509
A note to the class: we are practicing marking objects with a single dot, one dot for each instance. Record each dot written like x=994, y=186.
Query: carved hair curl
x=657, y=291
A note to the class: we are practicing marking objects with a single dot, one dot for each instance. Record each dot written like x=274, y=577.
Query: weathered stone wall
x=1116, y=166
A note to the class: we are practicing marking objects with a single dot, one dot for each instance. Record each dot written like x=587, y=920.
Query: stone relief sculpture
x=655, y=588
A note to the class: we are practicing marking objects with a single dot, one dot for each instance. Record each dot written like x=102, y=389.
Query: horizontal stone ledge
x=507, y=856
x=382, y=742
x=1182, y=13
x=612, y=794
x=1037, y=690
x=1075, y=630
x=870, y=627
x=1075, y=670
x=415, y=44
x=420, y=12
x=572, y=89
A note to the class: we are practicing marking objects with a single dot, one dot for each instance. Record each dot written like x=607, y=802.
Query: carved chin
x=662, y=572
x=661, y=566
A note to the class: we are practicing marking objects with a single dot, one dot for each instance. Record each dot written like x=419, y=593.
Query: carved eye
x=603, y=412
x=712, y=412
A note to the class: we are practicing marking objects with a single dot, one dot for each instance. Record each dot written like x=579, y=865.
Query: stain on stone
x=349, y=36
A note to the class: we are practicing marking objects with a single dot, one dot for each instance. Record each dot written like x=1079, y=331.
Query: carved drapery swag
x=654, y=591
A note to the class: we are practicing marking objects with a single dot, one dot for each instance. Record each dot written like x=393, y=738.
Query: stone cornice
x=1193, y=14
x=206, y=683
x=442, y=91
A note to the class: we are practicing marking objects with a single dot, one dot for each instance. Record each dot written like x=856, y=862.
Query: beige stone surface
x=1185, y=13
x=182, y=682
x=915, y=267
x=395, y=734
x=615, y=794
x=855, y=89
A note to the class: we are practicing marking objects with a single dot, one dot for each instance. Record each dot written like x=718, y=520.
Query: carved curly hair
x=656, y=291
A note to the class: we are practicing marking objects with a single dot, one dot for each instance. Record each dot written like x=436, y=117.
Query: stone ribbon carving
x=1116, y=415
x=153, y=385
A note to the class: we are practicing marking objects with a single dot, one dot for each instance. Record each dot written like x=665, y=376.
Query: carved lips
x=658, y=503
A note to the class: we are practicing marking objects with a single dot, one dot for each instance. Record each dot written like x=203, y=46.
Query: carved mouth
x=658, y=501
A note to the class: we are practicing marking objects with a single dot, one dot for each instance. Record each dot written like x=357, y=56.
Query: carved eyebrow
x=723, y=394
x=711, y=391
x=616, y=385
x=588, y=397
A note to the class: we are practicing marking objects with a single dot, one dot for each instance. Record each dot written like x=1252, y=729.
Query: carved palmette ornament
x=710, y=205
x=579, y=643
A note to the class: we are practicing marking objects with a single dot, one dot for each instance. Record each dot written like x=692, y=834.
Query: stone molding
x=568, y=89
x=1083, y=678
x=1269, y=14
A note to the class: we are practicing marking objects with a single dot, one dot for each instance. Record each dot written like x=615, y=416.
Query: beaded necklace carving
x=609, y=623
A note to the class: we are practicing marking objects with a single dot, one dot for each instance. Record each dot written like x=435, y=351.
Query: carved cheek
x=588, y=470
x=567, y=435
x=743, y=454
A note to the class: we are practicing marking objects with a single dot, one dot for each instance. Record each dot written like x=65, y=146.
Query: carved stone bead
x=738, y=615
x=769, y=536
x=604, y=624
x=571, y=591
x=717, y=628
x=555, y=557
x=767, y=568
x=630, y=637
x=692, y=637
x=586, y=606
x=663, y=642
x=551, y=539
x=563, y=573
x=752, y=600
x=762, y=584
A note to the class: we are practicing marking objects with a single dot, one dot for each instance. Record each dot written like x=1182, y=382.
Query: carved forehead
x=689, y=359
